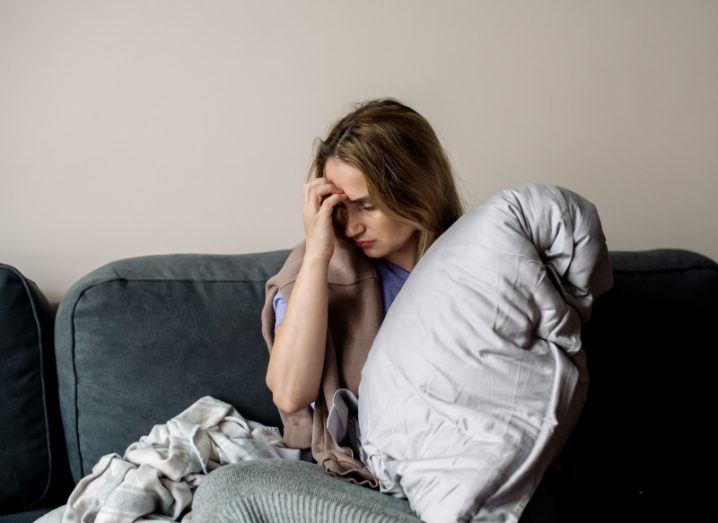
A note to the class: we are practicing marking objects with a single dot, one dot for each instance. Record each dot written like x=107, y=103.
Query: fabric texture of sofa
x=137, y=340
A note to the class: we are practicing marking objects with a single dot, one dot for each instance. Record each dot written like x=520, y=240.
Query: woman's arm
x=296, y=361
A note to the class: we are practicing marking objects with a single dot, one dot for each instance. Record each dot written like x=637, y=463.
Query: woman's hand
x=320, y=197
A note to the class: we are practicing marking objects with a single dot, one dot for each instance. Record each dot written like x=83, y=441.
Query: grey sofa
x=137, y=340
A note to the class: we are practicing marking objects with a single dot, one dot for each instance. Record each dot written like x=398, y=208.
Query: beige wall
x=135, y=128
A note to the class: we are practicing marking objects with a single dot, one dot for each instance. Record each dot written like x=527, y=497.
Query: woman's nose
x=354, y=227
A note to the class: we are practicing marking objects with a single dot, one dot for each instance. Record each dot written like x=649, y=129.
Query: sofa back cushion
x=32, y=456
x=650, y=345
x=140, y=339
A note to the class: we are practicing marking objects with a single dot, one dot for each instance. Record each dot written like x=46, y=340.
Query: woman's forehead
x=335, y=168
x=347, y=177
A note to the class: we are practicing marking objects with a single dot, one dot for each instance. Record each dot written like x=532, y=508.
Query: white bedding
x=477, y=375
x=156, y=477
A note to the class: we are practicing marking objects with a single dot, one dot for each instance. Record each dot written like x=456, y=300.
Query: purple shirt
x=392, y=279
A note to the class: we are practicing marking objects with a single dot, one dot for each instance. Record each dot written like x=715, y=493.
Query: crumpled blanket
x=156, y=477
x=477, y=375
x=343, y=422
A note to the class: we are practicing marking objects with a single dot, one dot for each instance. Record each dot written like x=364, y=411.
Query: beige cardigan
x=355, y=314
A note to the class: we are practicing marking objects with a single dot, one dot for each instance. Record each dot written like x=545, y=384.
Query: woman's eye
x=368, y=208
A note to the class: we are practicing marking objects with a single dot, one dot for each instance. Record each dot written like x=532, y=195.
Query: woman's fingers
x=315, y=190
x=318, y=223
x=332, y=200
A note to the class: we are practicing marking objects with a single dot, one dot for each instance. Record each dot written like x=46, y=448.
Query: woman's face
x=390, y=239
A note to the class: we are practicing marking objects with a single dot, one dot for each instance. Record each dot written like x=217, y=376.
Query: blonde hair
x=406, y=169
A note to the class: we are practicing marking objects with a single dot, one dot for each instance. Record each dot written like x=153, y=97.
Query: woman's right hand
x=320, y=197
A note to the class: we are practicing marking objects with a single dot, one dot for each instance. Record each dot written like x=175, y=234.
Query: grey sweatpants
x=276, y=490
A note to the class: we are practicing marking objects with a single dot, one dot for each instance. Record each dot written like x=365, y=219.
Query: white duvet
x=477, y=375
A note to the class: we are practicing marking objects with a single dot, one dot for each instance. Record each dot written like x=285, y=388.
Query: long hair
x=407, y=172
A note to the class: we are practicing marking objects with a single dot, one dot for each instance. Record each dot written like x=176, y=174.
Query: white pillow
x=477, y=375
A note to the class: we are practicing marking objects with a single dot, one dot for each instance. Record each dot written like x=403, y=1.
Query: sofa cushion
x=139, y=339
x=32, y=453
x=649, y=342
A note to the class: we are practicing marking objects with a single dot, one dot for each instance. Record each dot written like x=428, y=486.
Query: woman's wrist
x=312, y=260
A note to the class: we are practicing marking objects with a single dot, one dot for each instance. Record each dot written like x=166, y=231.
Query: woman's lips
x=365, y=244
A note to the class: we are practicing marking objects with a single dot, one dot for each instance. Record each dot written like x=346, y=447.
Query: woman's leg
x=275, y=490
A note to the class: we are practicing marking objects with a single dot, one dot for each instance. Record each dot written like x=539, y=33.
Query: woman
x=380, y=177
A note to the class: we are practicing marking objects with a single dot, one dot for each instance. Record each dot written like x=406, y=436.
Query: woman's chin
x=371, y=252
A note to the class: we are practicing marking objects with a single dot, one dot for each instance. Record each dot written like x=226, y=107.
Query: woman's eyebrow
x=363, y=199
